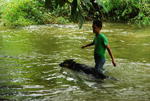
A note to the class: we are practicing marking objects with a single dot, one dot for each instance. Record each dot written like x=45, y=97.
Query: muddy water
x=29, y=59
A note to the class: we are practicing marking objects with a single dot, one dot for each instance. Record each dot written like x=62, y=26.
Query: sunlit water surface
x=29, y=59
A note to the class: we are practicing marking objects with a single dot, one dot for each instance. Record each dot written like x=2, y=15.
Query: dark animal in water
x=71, y=64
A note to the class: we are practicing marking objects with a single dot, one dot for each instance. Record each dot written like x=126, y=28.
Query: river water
x=29, y=58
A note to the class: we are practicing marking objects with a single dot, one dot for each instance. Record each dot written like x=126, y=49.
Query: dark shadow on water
x=82, y=68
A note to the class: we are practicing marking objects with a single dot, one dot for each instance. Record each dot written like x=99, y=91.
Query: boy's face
x=96, y=29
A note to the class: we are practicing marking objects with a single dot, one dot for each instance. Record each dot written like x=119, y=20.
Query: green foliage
x=1, y=6
x=55, y=19
x=76, y=12
x=143, y=18
x=61, y=11
x=80, y=9
x=22, y=12
x=77, y=9
x=135, y=11
x=59, y=14
x=27, y=12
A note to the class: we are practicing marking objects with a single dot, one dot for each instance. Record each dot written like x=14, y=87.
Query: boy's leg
x=99, y=64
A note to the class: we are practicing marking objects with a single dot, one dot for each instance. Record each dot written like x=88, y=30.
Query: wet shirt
x=100, y=43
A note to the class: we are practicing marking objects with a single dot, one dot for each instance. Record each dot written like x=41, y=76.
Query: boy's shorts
x=99, y=62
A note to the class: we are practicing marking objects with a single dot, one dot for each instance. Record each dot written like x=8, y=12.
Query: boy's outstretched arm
x=111, y=55
x=90, y=44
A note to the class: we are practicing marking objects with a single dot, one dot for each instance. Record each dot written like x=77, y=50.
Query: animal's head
x=67, y=63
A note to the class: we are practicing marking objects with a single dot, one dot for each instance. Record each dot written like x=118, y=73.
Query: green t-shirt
x=100, y=42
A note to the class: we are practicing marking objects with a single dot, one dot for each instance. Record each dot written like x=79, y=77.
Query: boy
x=101, y=44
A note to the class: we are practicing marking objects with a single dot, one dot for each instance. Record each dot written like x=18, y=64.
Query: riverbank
x=32, y=12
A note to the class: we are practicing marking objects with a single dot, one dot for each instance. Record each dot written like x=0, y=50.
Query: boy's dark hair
x=98, y=23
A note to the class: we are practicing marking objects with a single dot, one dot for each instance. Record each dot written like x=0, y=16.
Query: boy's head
x=97, y=26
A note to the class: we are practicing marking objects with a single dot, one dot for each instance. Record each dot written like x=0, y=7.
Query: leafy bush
x=28, y=12
x=60, y=14
x=50, y=18
x=1, y=6
x=22, y=12
x=143, y=17
x=135, y=11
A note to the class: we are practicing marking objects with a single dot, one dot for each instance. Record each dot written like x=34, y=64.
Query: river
x=29, y=58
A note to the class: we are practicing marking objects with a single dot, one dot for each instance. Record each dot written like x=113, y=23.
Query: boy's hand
x=114, y=64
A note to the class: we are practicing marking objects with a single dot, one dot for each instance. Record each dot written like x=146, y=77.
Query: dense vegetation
x=135, y=11
x=28, y=12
